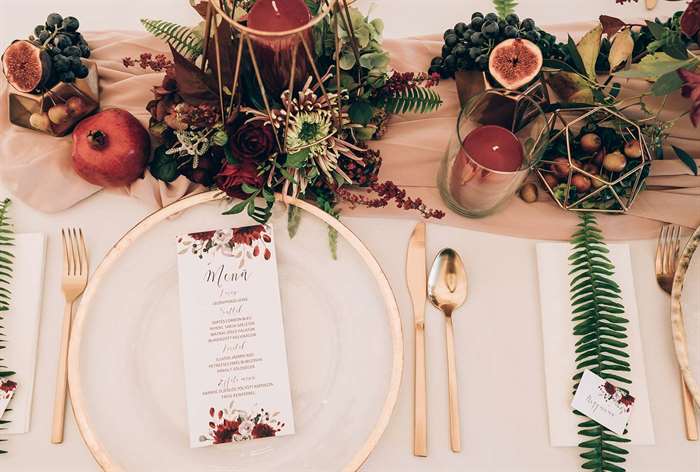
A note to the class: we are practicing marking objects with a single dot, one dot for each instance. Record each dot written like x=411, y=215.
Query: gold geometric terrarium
x=597, y=160
x=276, y=48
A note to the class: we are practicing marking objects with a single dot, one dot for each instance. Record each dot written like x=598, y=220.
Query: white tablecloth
x=504, y=417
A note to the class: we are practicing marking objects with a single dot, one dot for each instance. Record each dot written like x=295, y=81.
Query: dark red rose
x=627, y=400
x=253, y=140
x=610, y=388
x=262, y=430
x=247, y=235
x=231, y=178
x=690, y=21
x=203, y=235
x=224, y=432
x=691, y=90
x=8, y=386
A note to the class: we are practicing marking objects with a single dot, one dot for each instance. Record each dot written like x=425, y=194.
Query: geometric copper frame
x=631, y=181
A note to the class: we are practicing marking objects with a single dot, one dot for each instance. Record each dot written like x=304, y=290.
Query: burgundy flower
x=8, y=386
x=691, y=90
x=203, y=235
x=609, y=388
x=231, y=178
x=223, y=433
x=248, y=235
x=253, y=141
x=627, y=400
x=262, y=430
x=690, y=21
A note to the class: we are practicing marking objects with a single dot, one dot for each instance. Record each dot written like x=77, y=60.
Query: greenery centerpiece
x=309, y=142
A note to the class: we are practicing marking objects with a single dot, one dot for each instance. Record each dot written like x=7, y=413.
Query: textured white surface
x=499, y=337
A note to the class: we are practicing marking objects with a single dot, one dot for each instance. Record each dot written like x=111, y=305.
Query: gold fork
x=75, y=275
x=666, y=261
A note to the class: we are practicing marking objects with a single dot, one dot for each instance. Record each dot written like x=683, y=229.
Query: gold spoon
x=447, y=290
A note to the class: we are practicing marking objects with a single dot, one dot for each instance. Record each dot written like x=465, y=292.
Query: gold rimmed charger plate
x=679, y=318
x=80, y=336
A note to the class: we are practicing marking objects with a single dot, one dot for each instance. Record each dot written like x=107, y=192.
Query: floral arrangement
x=241, y=157
x=239, y=243
x=237, y=425
x=6, y=258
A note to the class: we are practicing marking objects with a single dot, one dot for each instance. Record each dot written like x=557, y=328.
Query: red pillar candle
x=494, y=148
x=488, y=166
x=274, y=53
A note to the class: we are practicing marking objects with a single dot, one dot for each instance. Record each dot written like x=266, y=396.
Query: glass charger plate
x=685, y=314
x=342, y=330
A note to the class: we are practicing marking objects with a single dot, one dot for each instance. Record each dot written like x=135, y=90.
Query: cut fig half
x=26, y=66
x=515, y=63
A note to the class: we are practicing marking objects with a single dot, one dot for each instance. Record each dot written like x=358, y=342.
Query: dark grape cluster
x=468, y=45
x=60, y=38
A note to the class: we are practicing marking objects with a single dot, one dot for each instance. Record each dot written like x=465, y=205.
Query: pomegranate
x=111, y=148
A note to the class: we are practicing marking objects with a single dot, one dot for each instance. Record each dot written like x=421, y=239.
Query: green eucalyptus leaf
x=163, y=166
x=653, y=66
x=360, y=113
x=667, y=83
x=686, y=158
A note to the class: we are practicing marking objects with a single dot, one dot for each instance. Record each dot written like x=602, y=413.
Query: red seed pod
x=267, y=254
x=256, y=251
x=211, y=412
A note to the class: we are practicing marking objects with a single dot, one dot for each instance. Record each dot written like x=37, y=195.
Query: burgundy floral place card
x=236, y=372
x=7, y=390
x=603, y=402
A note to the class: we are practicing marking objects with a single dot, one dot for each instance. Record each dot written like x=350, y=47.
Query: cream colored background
x=503, y=405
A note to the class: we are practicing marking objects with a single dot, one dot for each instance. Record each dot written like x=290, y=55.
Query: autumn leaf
x=588, y=48
x=621, y=49
x=193, y=85
x=611, y=25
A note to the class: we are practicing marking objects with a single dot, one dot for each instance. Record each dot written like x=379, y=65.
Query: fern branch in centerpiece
x=504, y=7
x=415, y=99
x=183, y=39
x=6, y=260
x=600, y=326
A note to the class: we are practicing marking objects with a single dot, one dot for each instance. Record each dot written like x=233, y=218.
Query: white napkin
x=559, y=356
x=22, y=326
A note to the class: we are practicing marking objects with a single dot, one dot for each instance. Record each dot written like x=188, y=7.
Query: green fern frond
x=413, y=100
x=185, y=40
x=600, y=326
x=6, y=260
x=504, y=7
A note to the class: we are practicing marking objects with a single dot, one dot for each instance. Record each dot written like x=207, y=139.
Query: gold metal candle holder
x=243, y=39
x=612, y=192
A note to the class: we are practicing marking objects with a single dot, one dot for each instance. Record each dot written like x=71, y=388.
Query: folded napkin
x=22, y=326
x=559, y=356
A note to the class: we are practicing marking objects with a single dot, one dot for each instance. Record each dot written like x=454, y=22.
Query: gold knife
x=417, y=287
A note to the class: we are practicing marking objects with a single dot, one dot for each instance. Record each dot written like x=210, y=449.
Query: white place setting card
x=559, y=340
x=236, y=372
x=21, y=325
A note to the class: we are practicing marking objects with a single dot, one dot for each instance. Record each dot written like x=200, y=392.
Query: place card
x=7, y=390
x=559, y=344
x=236, y=373
x=603, y=402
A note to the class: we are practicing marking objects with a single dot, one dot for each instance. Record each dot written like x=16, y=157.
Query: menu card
x=236, y=373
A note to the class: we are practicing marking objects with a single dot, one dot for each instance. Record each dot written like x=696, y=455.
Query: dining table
x=499, y=340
